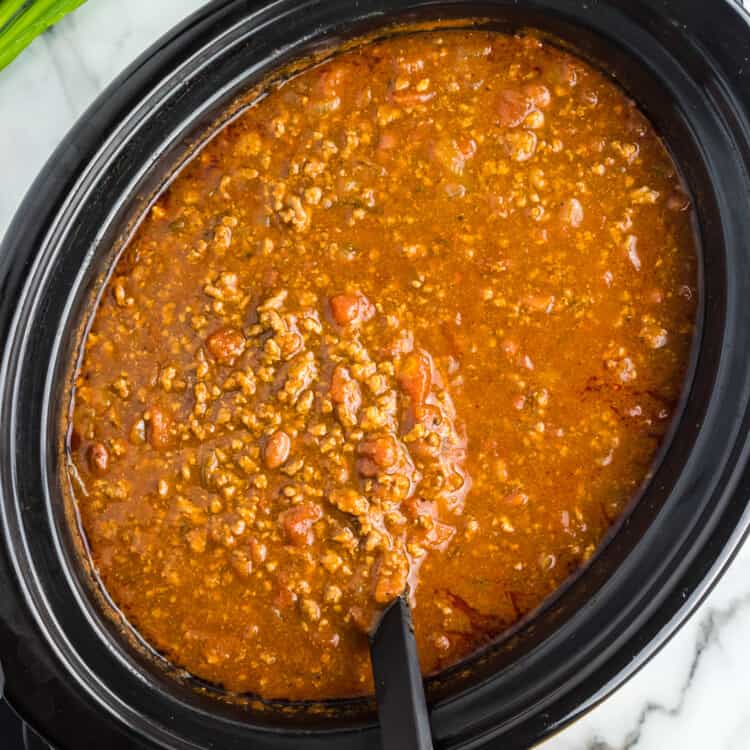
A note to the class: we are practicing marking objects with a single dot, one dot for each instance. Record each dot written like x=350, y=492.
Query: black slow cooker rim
x=43, y=213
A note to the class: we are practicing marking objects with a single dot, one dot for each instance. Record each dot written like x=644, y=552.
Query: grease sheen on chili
x=418, y=319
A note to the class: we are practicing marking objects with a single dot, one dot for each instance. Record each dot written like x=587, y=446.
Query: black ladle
x=399, y=691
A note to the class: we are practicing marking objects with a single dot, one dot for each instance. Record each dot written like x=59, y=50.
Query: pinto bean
x=571, y=213
x=297, y=523
x=334, y=77
x=539, y=94
x=348, y=309
x=226, y=345
x=98, y=459
x=377, y=454
x=415, y=376
x=511, y=107
x=159, y=428
x=563, y=73
x=277, y=449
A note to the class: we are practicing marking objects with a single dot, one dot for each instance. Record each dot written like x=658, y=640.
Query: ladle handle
x=399, y=691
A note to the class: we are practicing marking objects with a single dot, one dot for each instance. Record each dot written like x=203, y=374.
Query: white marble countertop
x=692, y=696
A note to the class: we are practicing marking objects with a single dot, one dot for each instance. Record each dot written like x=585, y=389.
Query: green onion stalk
x=21, y=21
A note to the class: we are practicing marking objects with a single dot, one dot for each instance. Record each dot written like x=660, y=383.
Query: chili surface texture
x=418, y=319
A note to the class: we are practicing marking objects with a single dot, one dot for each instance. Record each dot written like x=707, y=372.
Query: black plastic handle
x=399, y=691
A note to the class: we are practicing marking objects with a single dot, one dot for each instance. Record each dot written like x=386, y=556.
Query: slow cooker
x=76, y=677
